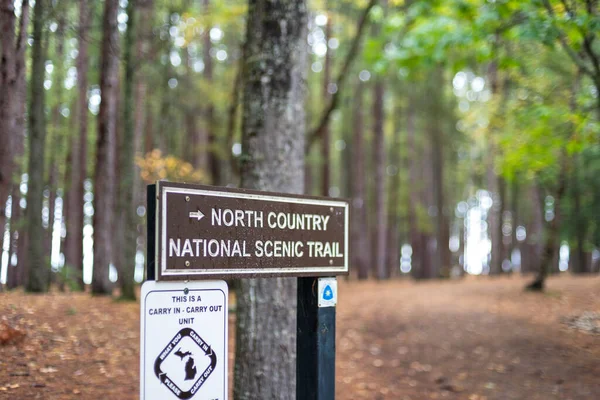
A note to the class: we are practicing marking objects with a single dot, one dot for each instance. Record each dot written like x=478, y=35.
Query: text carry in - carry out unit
x=210, y=232
x=183, y=340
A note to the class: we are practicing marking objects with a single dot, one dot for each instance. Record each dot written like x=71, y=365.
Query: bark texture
x=579, y=263
x=214, y=154
x=535, y=230
x=379, y=189
x=78, y=169
x=55, y=131
x=437, y=142
x=12, y=100
x=393, y=230
x=429, y=253
x=126, y=206
x=142, y=112
x=104, y=181
x=550, y=249
x=325, y=139
x=16, y=231
x=360, y=238
x=273, y=127
x=39, y=270
x=379, y=163
x=494, y=184
x=413, y=198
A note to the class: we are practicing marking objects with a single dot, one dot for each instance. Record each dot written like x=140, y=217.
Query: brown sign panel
x=215, y=232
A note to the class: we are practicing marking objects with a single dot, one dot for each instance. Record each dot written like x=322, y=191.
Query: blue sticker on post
x=327, y=292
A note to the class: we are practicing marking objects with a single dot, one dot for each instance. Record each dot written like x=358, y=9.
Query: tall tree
x=437, y=143
x=78, y=169
x=414, y=199
x=360, y=239
x=16, y=231
x=494, y=181
x=273, y=126
x=126, y=206
x=12, y=100
x=579, y=259
x=393, y=234
x=325, y=138
x=323, y=119
x=544, y=263
x=146, y=13
x=39, y=271
x=209, y=109
x=379, y=162
x=55, y=139
x=552, y=240
x=104, y=180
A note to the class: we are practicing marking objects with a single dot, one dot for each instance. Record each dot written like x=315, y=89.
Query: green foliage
x=542, y=110
x=68, y=277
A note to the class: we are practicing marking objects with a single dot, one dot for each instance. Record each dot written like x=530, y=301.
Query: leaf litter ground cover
x=473, y=339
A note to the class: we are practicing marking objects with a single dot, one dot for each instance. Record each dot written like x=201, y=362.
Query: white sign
x=183, y=352
x=327, y=292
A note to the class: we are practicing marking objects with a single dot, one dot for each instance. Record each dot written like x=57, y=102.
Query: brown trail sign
x=214, y=232
x=199, y=232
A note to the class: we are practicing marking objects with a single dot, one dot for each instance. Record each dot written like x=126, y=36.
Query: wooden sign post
x=201, y=232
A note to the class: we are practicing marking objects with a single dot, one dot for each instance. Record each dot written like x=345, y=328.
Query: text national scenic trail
x=207, y=247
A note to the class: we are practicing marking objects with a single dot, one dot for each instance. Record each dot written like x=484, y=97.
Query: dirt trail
x=475, y=339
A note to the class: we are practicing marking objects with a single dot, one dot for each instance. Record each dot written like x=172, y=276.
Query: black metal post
x=150, y=232
x=315, y=345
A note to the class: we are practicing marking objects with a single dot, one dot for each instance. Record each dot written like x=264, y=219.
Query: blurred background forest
x=464, y=132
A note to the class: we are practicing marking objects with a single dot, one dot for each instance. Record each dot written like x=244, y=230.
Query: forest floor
x=473, y=339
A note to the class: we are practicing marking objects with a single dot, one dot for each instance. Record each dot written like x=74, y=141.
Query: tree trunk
x=39, y=272
x=493, y=182
x=273, y=145
x=499, y=233
x=535, y=233
x=325, y=139
x=393, y=238
x=54, y=134
x=515, y=220
x=360, y=237
x=437, y=142
x=308, y=176
x=78, y=169
x=7, y=87
x=104, y=181
x=552, y=236
x=149, y=141
x=580, y=264
x=16, y=230
x=379, y=162
x=12, y=100
x=126, y=206
x=379, y=198
x=52, y=187
x=429, y=254
x=413, y=198
x=146, y=14
x=209, y=110
x=22, y=255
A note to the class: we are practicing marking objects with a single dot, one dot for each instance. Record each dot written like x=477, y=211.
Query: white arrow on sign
x=196, y=214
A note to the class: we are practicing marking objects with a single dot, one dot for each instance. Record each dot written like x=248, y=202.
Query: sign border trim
x=165, y=187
